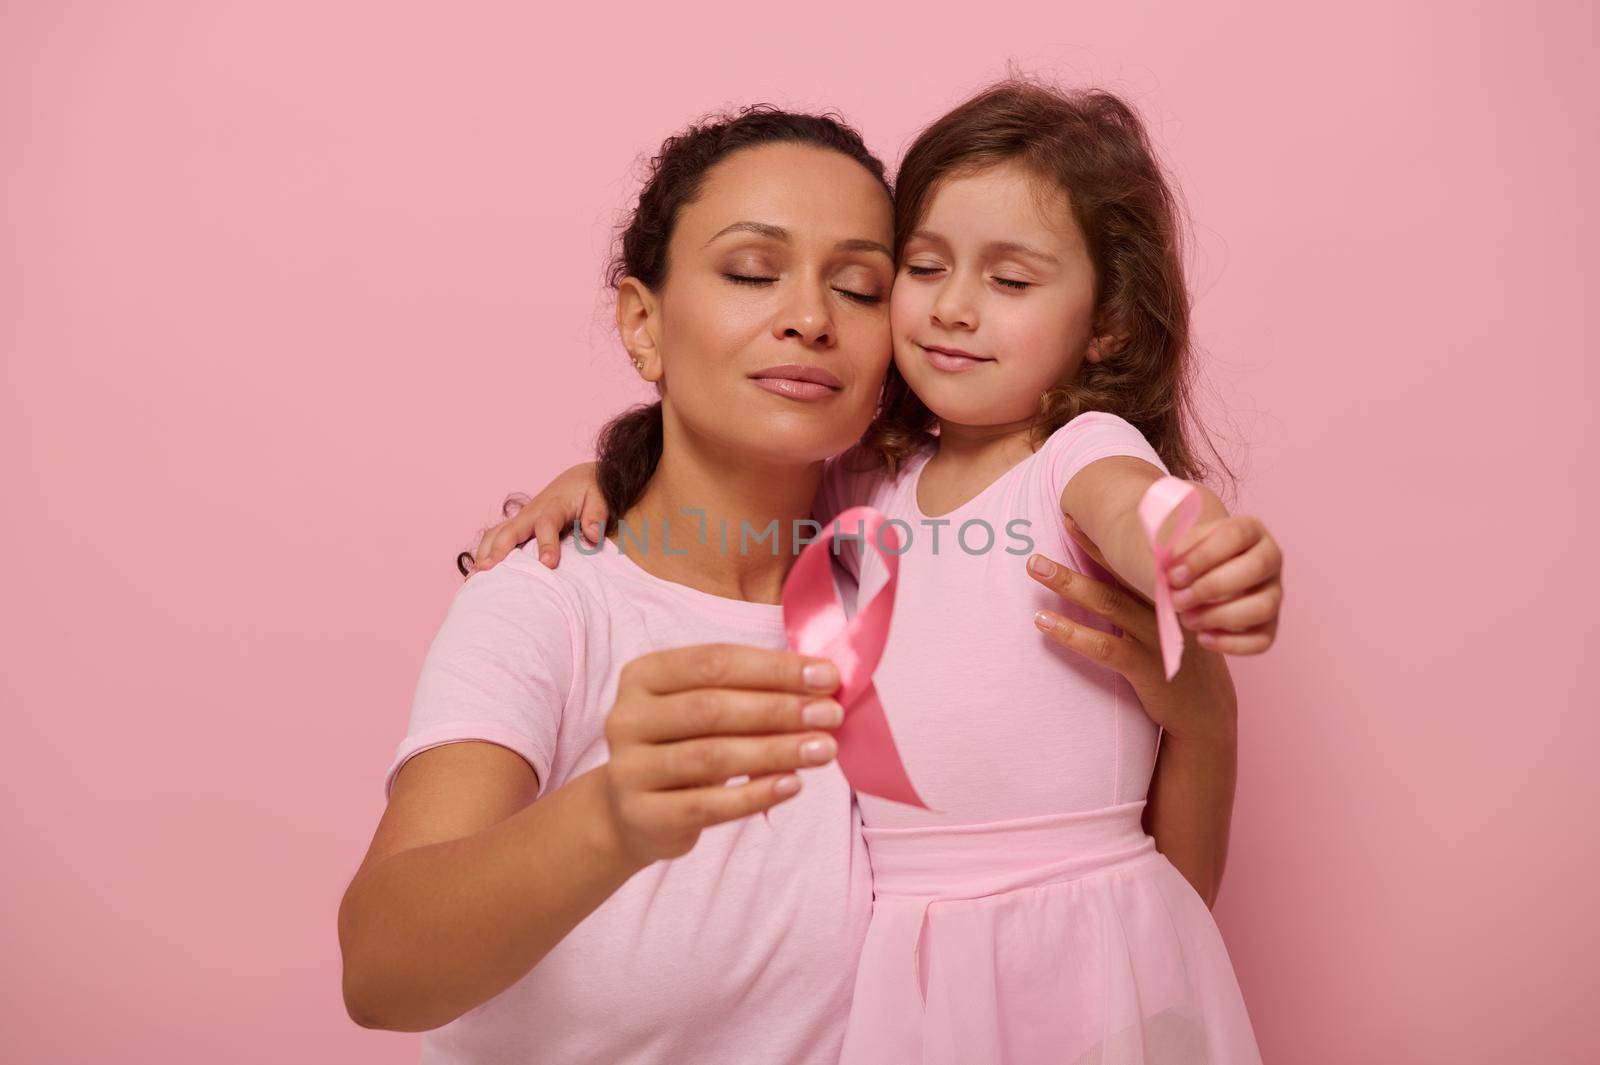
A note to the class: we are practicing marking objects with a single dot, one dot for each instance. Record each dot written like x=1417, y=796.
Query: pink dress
x=1026, y=917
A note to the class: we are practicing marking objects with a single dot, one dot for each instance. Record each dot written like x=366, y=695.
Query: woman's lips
x=798, y=382
x=953, y=359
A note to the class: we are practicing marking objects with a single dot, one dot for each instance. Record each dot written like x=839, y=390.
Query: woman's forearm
x=432, y=932
x=1191, y=804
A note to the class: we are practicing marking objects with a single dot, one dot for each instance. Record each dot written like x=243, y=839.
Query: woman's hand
x=1227, y=581
x=688, y=720
x=572, y=495
x=1199, y=701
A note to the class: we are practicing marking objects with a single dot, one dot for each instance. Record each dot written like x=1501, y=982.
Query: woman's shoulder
x=521, y=589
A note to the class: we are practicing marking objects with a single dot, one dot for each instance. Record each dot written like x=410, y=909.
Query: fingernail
x=824, y=714
x=1043, y=621
x=1178, y=575
x=821, y=675
x=1183, y=597
x=818, y=751
x=786, y=785
x=1206, y=639
x=1042, y=566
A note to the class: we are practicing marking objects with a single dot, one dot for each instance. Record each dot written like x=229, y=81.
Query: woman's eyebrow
x=772, y=232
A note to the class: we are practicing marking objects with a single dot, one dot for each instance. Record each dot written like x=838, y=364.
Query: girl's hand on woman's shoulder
x=1200, y=701
x=574, y=495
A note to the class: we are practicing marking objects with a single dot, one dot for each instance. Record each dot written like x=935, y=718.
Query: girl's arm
x=1225, y=571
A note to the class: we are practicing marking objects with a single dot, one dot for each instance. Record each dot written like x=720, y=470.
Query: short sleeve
x=1090, y=436
x=500, y=668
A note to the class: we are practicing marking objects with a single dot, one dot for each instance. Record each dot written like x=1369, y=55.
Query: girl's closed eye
x=1013, y=283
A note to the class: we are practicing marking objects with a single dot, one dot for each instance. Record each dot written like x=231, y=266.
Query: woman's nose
x=806, y=319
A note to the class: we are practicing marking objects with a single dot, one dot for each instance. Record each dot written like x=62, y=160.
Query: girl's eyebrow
x=994, y=247
x=1017, y=248
x=772, y=232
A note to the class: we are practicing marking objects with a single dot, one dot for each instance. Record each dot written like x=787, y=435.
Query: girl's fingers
x=697, y=808
x=1231, y=576
x=728, y=665
x=1211, y=544
x=547, y=531
x=1111, y=602
x=480, y=557
x=592, y=515
x=1095, y=645
x=699, y=762
x=1253, y=642
x=1240, y=614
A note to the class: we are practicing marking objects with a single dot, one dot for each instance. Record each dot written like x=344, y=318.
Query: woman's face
x=994, y=302
x=781, y=268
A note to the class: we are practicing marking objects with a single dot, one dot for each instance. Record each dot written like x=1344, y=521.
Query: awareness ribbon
x=1168, y=496
x=814, y=618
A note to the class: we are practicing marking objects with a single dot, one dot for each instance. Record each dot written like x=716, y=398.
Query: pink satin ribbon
x=1165, y=497
x=815, y=620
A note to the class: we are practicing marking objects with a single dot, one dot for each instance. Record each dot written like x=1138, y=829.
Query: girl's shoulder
x=1092, y=435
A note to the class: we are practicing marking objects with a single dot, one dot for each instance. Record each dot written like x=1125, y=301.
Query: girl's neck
x=718, y=522
x=979, y=447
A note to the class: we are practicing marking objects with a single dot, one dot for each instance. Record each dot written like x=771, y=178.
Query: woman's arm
x=1190, y=805
x=469, y=881
x=1191, y=795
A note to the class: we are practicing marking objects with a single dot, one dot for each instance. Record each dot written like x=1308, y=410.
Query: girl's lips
x=784, y=386
x=944, y=359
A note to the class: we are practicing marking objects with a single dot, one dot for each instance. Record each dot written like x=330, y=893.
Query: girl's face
x=781, y=268
x=994, y=300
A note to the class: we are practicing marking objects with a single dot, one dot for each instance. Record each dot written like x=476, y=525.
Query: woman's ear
x=637, y=322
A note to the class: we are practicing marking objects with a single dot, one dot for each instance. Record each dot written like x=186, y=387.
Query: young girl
x=1040, y=329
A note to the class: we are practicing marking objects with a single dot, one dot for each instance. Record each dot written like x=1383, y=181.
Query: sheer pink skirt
x=1065, y=938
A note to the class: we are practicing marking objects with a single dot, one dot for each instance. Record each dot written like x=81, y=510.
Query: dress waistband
x=973, y=861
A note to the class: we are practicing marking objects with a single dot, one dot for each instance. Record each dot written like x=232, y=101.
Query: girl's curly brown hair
x=1092, y=146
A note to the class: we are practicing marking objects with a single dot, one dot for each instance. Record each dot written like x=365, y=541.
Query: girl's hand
x=687, y=720
x=1227, y=584
x=1199, y=702
x=574, y=494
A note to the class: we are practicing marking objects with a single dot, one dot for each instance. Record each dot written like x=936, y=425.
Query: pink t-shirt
x=744, y=949
x=993, y=720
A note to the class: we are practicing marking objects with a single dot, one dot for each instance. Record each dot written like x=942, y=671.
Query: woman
x=574, y=727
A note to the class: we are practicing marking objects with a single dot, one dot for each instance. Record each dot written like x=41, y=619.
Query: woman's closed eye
x=851, y=294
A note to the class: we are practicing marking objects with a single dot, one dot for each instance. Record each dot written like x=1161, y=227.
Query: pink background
x=292, y=295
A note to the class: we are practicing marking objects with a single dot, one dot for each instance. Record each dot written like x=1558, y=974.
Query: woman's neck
x=720, y=523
